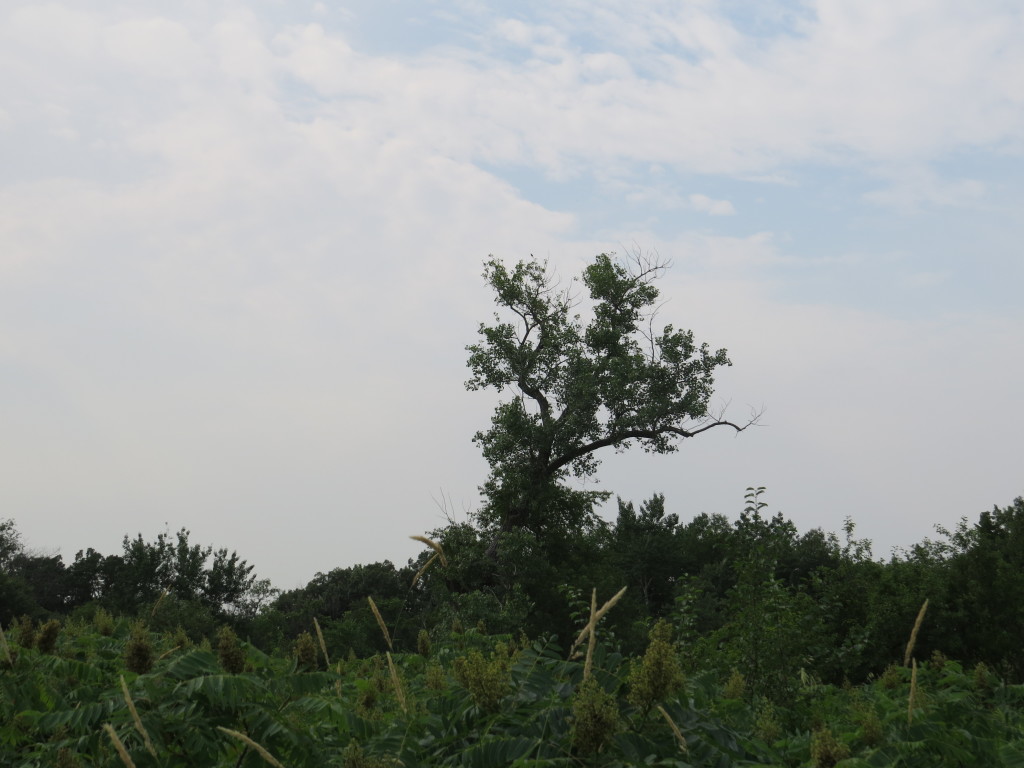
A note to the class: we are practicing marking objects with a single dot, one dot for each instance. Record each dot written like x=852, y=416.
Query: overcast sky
x=241, y=247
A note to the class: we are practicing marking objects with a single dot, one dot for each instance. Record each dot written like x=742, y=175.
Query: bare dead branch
x=643, y=434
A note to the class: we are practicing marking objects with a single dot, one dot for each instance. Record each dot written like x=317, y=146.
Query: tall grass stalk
x=592, y=640
x=119, y=745
x=395, y=681
x=596, y=618
x=267, y=757
x=136, y=719
x=913, y=692
x=434, y=546
x=675, y=730
x=168, y=652
x=438, y=553
x=6, y=648
x=159, y=600
x=423, y=570
x=913, y=634
x=323, y=645
x=380, y=622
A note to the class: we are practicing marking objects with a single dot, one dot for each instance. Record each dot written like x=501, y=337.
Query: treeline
x=169, y=580
x=751, y=594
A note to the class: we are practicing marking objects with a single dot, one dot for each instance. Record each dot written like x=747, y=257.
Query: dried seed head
x=680, y=739
x=323, y=645
x=397, y=683
x=119, y=746
x=135, y=718
x=434, y=546
x=267, y=757
x=913, y=634
x=380, y=622
x=596, y=618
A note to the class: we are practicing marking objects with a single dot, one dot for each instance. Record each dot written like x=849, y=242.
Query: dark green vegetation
x=772, y=649
x=510, y=640
x=758, y=645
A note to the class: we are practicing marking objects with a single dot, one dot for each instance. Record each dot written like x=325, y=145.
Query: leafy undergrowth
x=130, y=697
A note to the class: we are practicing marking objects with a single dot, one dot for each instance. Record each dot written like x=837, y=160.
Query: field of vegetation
x=113, y=693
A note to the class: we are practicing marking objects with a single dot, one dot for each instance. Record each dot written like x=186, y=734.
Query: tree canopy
x=578, y=385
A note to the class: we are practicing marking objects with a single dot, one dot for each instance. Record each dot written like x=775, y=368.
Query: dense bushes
x=137, y=697
x=751, y=594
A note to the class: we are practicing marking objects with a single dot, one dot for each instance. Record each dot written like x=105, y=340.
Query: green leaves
x=192, y=664
x=223, y=692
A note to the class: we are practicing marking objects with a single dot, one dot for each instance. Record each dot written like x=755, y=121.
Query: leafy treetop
x=580, y=387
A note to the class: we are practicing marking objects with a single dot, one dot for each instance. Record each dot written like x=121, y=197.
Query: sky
x=241, y=247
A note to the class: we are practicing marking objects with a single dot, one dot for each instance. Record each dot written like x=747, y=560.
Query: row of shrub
x=751, y=594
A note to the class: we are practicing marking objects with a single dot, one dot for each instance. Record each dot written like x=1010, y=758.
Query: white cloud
x=54, y=30
x=723, y=255
x=153, y=48
x=705, y=204
x=877, y=82
x=928, y=279
x=539, y=39
x=913, y=187
x=873, y=79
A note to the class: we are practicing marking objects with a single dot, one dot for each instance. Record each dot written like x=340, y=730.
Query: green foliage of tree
x=16, y=598
x=170, y=612
x=171, y=580
x=337, y=599
x=579, y=387
x=86, y=577
x=986, y=567
x=518, y=592
x=30, y=584
x=10, y=543
x=148, y=569
x=644, y=546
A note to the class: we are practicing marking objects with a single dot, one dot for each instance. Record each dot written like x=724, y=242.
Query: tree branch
x=642, y=434
x=538, y=397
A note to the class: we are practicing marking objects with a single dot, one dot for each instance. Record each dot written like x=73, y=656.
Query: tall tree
x=580, y=387
x=645, y=548
x=177, y=567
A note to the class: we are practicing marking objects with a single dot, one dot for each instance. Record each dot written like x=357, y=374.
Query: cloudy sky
x=241, y=248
